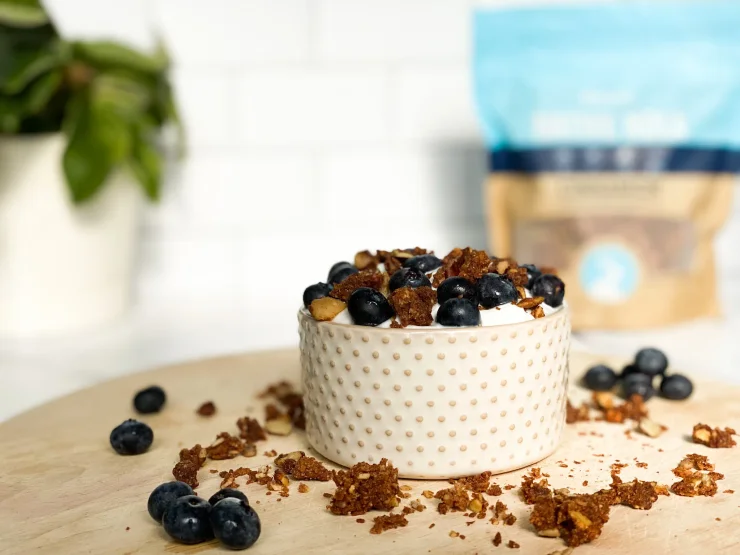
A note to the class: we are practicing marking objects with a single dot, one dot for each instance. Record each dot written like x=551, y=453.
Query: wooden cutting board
x=64, y=491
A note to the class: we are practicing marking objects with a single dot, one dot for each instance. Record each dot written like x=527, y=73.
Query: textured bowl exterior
x=437, y=402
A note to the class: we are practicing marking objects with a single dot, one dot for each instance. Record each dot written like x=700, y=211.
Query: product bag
x=613, y=132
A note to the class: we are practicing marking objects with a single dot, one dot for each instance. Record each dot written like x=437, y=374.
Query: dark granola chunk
x=365, y=487
x=468, y=263
x=302, y=467
x=497, y=539
x=365, y=278
x=534, y=486
x=413, y=306
x=694, y=481
x=225, y=447
x=501, y=514
x=250, y=429
x=637, y=494
x=207, y=409
x=455, y=498
x=713, y=437
x=388, y=522
x=191, y=460
x=478, y=483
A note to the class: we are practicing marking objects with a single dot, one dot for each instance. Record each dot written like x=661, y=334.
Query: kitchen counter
x=32, y=371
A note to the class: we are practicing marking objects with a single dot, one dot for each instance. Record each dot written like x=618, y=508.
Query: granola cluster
x=365, y=487
x=697, y=477
x=412, y=304
x=713, y=437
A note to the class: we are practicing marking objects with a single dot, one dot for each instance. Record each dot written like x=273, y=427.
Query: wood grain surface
x=64, y=491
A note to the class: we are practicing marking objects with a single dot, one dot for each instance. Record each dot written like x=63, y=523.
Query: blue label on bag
x=634, y=74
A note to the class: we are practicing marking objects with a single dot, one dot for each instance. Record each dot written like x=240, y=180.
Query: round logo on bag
x=609, y=273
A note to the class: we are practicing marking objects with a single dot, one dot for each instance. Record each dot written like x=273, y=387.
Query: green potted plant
x=80, y=141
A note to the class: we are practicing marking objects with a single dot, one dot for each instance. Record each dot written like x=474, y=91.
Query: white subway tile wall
x=316, y=127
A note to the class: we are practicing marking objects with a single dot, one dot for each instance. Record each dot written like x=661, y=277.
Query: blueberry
x=226, y=493
x=628, y=370
x=187, y=520
x=532, y=274
x=639, y=384
x=651, y=361
x=131, y=438
x=369, y=307
x=676, y=387
x=408, y=277
x=457, y=288
x=600, y=378
x=341, y=271
x=424, y=263
x=551, y=287
x=164, y=495
x=149, y=400
x=495, y=290
x=235, y=523
x=458, y=313
x=315, y=291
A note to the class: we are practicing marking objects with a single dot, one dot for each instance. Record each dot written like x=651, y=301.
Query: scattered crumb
x=730, y=491
x=360, y=521
x=512, y=545
x=454, y=534
x=497, y=539
x=573, y=414
x=713, y=437
x=250, y=429
x=585, y=483
x=191, y=460
x=128, y=528
x=388, y=522
x=207, y=409
x=270, y=453
x=431, y=525
x=303, y=488
x=225, y=446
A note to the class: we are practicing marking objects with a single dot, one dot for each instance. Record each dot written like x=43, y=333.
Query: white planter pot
x=62, y=267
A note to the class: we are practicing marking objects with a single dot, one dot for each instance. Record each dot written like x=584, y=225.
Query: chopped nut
x=549, y=533
x=530, y=302
x=326, y=308
x=649, y=428
x=603, y=399
x=454, y=534
x=428, y=494
x=364, y=261
x=281, y=426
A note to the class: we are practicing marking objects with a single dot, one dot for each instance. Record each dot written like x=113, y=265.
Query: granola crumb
x=270, y=453
x=454, y=534
x=494, y=490
x=250, y=429
x=428, y=494
x=497, y=539
x=585, y=483
x=431, y=525
x=191, y=460
x=509, y=486
x=713, y=437
x=573, y=414
x=388, y=522
x=225, y=446
x=730, y=491
x=360, y=521
x=207, y=409
x=512, y=545
x=365, y=487
x=303, y=488
x=364, y=278
x=697, y=477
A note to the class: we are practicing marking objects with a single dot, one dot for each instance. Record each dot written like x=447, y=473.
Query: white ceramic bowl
x=437, y=402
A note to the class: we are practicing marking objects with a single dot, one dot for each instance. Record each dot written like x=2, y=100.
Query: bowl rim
x=563, y=310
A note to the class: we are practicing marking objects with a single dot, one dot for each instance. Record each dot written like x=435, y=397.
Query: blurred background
x=315, y=128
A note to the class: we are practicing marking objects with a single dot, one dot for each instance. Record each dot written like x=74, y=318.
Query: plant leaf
x=146, y=162
x=99, y=140
x=105, y=55
x=22, y=13
x=27, y=66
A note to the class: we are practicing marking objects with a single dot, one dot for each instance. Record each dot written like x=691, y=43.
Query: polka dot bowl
x=437, y=402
